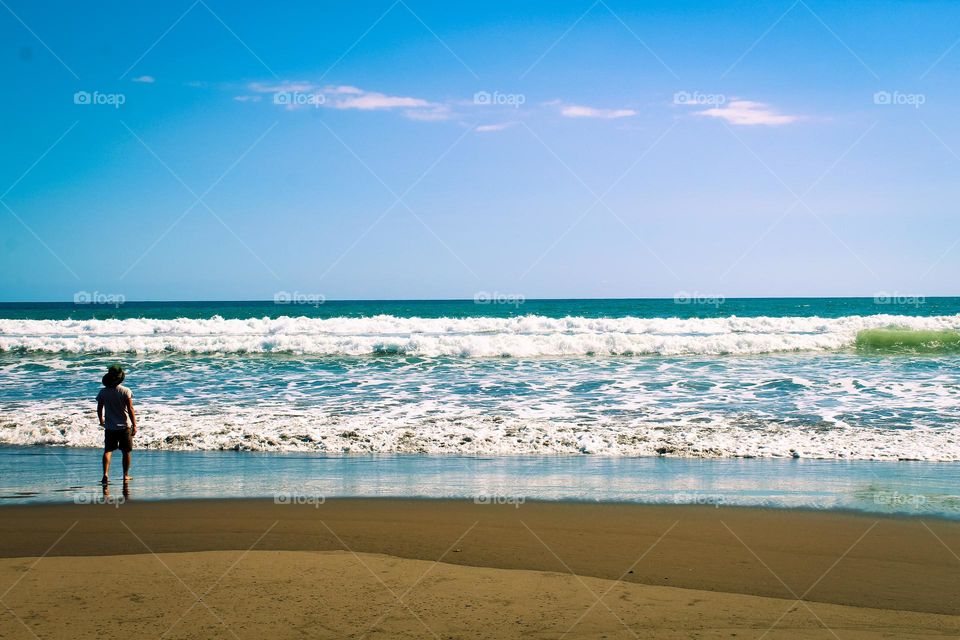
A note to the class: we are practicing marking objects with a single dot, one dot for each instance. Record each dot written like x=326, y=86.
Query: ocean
x=694, y=377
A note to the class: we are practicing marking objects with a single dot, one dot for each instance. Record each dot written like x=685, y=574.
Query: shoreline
x=114, y=501
x=40, y=475
x=318, y=453
x=858, y=560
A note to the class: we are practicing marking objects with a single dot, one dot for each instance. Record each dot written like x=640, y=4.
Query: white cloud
x=580, y=111
x=282, y=87
x=145, y=79
x=345, y=88
x=349, y=97
x=500, y=126
x=370, y=101
x=247, y=98
x=747, y=113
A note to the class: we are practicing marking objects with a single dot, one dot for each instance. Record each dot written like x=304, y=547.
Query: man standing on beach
x=119, y=422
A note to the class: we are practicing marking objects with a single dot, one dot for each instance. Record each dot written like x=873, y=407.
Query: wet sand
x=458, y=569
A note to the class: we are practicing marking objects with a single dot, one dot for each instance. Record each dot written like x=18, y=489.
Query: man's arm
x=100, y=411
x=133, y=417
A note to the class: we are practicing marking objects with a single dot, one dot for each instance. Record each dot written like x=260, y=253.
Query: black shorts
x=117, y=439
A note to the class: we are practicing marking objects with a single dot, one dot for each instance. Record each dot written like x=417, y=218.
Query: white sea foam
x=544, y=399
x=282, y=429
x=526, y=336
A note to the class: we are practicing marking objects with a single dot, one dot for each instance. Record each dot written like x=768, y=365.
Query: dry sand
x=369, y=568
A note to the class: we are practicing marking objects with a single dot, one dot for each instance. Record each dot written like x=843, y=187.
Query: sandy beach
x=450, y=569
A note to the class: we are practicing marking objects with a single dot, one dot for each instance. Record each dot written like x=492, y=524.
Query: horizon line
x=472, y=300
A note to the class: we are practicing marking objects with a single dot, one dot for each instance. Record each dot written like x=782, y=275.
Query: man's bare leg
x=126, y=465
x=106, y=467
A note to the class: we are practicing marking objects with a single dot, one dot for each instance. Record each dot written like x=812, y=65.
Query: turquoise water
x=591, y=308
x=695, y=377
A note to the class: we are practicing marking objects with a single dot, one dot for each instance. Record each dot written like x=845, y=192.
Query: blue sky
x=412, y=149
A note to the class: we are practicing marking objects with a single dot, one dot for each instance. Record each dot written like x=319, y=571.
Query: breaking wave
x=166, y=427
x=526, y=336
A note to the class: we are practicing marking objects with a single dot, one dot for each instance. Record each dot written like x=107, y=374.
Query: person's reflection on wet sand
x=107, y=498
